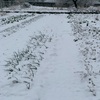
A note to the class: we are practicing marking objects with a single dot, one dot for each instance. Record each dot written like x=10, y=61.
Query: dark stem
x=75, y=3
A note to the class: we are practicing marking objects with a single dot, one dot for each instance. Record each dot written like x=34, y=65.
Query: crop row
x=13, y=19
x=23, y=65
x=87, y=37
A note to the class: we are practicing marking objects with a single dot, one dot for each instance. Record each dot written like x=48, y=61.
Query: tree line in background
x=7, y=3
x=76, y=3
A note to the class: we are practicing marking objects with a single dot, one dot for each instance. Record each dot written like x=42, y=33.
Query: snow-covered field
x=49, y=57
x=34, y=8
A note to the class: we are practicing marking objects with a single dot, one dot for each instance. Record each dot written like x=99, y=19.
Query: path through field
x=57, y=77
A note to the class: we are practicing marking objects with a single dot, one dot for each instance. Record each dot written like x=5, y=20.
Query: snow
x=34, y=8
x=58, y=70
x=59, y=75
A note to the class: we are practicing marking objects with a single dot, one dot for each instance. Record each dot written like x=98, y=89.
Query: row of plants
x=13, y=19
x=87, y=37
x=10, y=30
x=23, y=65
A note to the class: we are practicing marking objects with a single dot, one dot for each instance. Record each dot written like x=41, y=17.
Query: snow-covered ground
x=34, y=8
x=49, y=57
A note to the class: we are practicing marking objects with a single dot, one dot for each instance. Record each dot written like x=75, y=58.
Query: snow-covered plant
x=87, y=36
x=23, y=65
x=13, y=19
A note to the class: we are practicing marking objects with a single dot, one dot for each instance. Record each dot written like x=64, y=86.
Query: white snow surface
x=35, y=8
x=56, y=78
